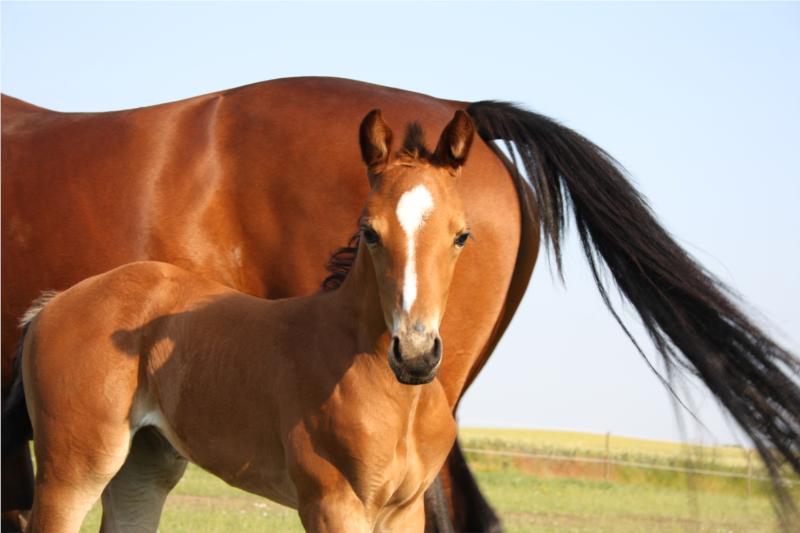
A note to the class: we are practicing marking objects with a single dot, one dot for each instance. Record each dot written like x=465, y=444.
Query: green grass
x=527, y=502
x=204, y=503
x=529, y=495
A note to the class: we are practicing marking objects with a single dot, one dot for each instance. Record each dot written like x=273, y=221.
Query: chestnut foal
x=290, y=399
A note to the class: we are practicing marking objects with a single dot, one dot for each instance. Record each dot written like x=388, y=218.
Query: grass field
x=537, y=496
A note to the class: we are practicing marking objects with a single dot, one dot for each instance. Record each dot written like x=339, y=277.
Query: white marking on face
x=412, y=210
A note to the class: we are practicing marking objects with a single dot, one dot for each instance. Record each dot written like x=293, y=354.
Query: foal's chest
x=387, y=448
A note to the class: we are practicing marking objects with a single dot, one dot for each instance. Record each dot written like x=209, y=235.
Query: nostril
x=437, y=349
x=396, y=350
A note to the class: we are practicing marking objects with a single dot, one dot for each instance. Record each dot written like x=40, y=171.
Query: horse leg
x=134, y=499
x=410, y=517
x=334, y=513
x=437, y=508
x=468, y=510
x=74, y=464
x=17, y=488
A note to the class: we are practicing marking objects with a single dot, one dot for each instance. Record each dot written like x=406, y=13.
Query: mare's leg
x=468, y=509
x=74, y=464
x=437, y=509
x=17, y=471
x=17, y=488
x=134, y=499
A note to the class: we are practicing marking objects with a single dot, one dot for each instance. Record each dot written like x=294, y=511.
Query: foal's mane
x=414, y=143
x=342, y=259
x=340, y=263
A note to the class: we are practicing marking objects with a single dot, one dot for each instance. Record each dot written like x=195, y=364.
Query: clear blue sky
x=701, y=102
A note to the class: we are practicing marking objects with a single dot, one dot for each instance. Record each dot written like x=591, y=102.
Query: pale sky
x=700, y=102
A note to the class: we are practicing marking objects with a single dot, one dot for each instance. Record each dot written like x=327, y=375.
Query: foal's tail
x=690, y=316
x=17, y=429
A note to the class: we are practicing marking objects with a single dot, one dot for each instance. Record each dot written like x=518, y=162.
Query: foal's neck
x=357, y=305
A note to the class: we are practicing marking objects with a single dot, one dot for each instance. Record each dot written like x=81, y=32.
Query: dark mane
x=340, y=263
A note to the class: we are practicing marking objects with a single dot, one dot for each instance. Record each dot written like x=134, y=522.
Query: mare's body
x=254, y=187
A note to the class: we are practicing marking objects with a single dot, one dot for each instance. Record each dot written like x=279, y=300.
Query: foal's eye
x=371, y=237
x=461, y=240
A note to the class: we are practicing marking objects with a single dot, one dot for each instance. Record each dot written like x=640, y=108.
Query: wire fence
x=608, y=461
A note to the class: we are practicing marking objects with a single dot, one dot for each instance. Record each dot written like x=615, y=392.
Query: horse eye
x=371, y=237
x=461, y=240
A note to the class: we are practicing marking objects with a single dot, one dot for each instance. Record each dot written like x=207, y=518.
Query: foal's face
x=414, y=228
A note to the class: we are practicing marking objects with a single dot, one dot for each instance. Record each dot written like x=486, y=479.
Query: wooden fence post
x=605, y=464
x=749, y=470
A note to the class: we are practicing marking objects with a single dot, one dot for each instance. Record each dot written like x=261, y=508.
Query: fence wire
x=618, y=462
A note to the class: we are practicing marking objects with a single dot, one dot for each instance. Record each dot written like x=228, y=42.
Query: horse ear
x=376, y=141
x=456, y=139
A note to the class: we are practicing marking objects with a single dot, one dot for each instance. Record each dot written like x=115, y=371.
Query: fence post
x=749, y=470
x=605, y=463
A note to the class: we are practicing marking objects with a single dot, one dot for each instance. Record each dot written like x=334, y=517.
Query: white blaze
x=412, y=209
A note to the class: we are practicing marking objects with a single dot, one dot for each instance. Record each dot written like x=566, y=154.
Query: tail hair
x=17, y=429
x=692, y=318
x=36, y=307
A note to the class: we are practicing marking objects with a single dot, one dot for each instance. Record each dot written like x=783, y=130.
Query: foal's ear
x=455, y=141
x=376, y=141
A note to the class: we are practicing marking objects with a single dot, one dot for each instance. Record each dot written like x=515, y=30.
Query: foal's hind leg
x=73, y=467
x=135, y=497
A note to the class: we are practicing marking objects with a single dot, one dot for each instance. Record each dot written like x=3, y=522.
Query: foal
x=327, y=403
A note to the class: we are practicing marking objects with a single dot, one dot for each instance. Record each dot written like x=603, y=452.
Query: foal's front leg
x=334, y=512
x=407, y=517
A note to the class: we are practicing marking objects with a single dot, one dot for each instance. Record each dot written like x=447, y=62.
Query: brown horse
x=254, y=186
x=291, y=399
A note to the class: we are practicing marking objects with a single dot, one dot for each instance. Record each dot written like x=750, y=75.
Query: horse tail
x=691, y=317
x=17, y=429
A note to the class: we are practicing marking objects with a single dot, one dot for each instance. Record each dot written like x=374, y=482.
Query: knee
x=334, y=514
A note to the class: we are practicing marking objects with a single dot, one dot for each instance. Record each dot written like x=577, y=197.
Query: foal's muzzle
x=414, y=357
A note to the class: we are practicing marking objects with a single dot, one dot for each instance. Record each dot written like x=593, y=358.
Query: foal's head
x=414, y=228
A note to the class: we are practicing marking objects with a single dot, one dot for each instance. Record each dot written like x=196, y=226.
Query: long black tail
x=690, y=316
x=17, y=430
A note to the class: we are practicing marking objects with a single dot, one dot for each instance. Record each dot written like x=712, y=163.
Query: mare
x=255, y=186
x=325, y=403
